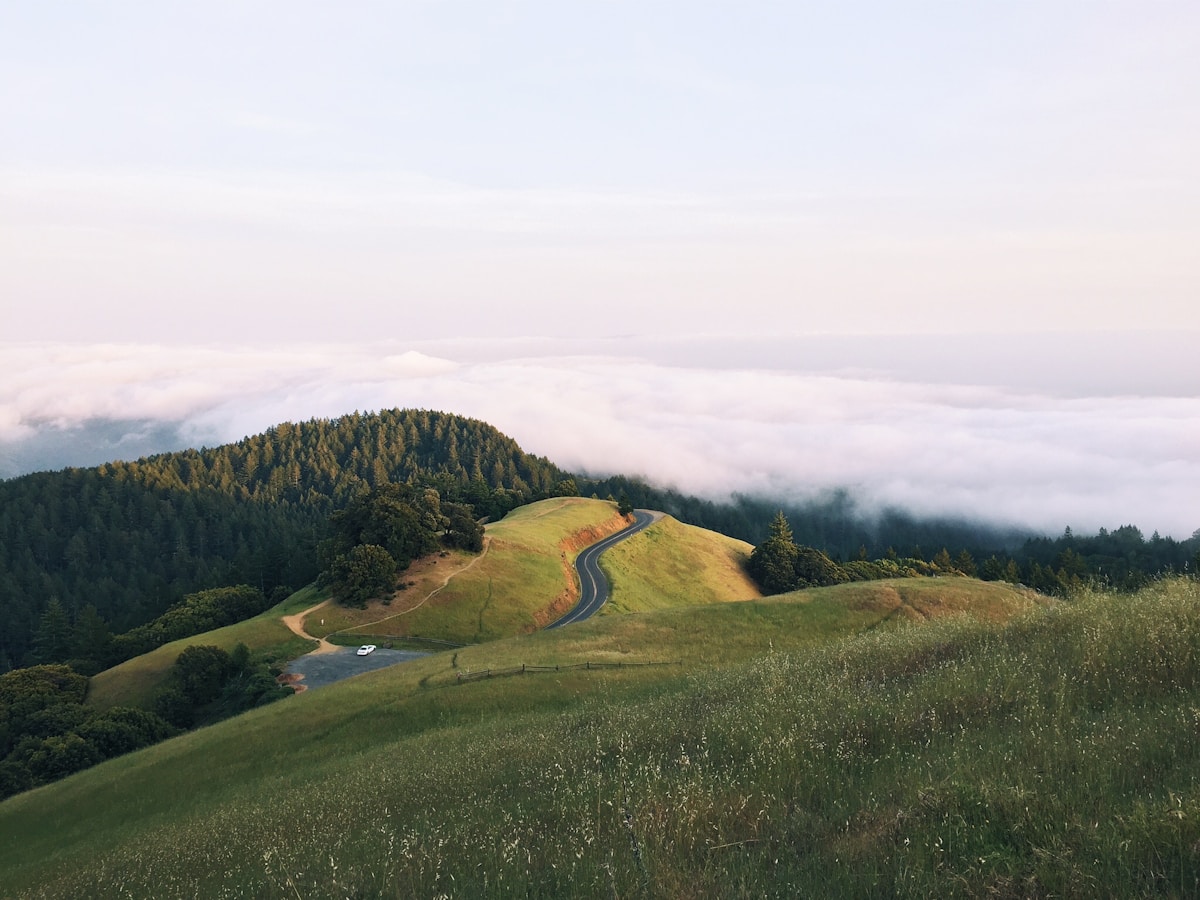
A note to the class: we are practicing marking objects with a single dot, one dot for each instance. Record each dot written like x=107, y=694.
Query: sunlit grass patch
x=671, y=564
x=520, y=584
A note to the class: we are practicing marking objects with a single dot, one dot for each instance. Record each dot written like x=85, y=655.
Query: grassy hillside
x=522, y=581
x=672, y=564
x=525, y=578
x=775, y=759
x=134, y=681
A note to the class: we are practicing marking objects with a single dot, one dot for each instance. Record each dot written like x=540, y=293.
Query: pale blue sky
x=217, y=216
x=434, y=169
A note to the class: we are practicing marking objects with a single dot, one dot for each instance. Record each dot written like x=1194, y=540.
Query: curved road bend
x=593, y=586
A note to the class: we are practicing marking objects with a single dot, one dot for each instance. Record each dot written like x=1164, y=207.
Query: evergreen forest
x=85, y=553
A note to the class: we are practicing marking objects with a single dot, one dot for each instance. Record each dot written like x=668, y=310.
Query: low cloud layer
x=981, y=448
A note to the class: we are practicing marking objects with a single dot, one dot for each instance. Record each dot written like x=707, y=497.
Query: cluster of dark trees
x=47, y=732
x=207, y=684
x=779, y=564
x=129, y=539
x=1123, y=559
x=88, y=646
x=380, y=532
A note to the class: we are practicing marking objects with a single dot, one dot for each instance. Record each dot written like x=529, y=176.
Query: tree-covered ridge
x=379, y=533
x=1122, y=559
x=131, y=538
x=780, y=565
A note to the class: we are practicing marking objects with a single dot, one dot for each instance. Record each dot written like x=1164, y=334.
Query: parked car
x=366, y=649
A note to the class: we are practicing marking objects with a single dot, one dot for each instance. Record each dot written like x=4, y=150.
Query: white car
x=366, y=649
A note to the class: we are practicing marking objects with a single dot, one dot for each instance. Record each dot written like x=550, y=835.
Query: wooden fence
x=525, y=669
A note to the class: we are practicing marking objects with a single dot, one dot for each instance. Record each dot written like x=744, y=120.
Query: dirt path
x=296, y=624
x=552, y=509
x=487, y=543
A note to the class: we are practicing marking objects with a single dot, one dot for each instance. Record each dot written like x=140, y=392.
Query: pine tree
x=965, y=563
x=773, y=562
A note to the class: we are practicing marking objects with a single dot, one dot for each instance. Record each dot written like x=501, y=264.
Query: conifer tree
x=773, y=562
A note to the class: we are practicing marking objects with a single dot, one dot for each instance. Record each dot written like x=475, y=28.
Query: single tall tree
x=773, y=562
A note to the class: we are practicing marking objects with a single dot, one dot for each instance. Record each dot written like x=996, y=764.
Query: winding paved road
x=331, y=663
x=593, y=586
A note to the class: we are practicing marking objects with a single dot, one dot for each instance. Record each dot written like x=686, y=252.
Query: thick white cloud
x=992, y=451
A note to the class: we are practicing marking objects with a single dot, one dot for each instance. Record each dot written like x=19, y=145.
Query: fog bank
x=961, y=436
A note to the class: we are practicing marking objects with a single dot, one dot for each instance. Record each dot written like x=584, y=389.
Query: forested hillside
x=128, y=539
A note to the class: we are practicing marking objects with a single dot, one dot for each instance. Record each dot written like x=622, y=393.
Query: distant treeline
x=1123, y=559
x=129, y=539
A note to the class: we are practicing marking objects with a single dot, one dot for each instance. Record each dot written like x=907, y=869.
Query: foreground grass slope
x=764, y=763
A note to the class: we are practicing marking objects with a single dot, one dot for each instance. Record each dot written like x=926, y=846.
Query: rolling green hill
x=672, y=564
x=780, y=730
x=523, y=581
x=912, y=737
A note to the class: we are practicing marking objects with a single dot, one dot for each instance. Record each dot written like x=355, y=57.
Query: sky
x=941, y=253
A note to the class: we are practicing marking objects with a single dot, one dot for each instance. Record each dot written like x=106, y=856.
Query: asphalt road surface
x=593, y=586
x=320, y=669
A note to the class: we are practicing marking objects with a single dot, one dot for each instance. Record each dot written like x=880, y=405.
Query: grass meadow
x=525, y=579
x=671, y=564
x=1034, y=749
x=521, y=583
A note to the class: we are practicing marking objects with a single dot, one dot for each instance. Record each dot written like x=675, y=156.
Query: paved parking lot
x=320, y=669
